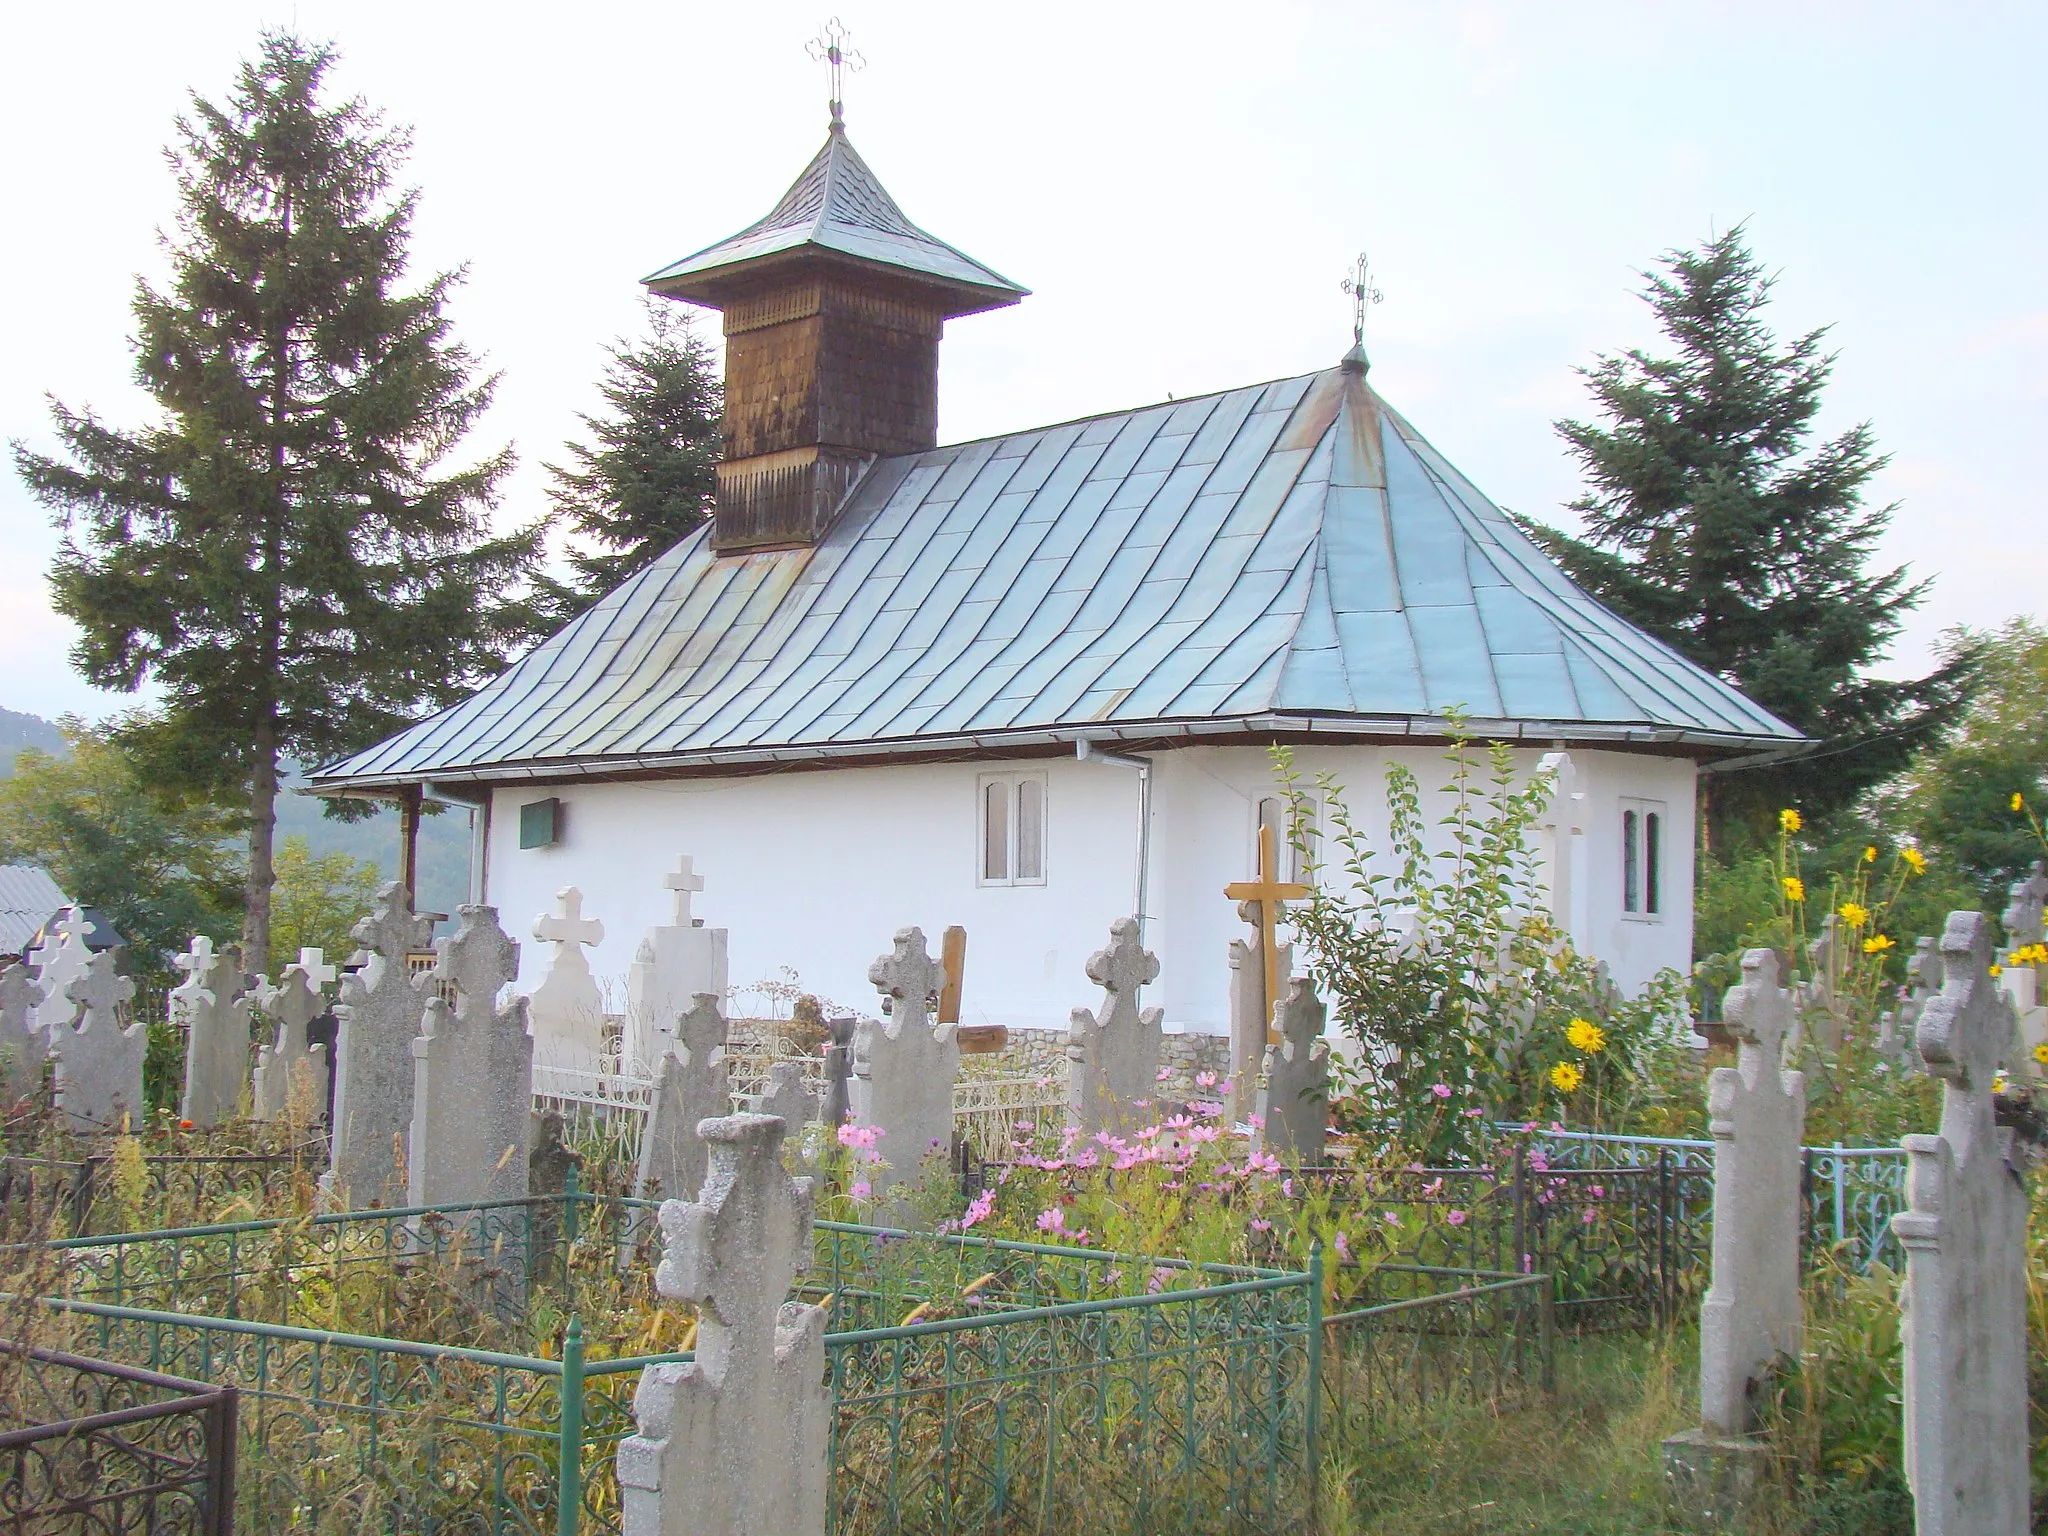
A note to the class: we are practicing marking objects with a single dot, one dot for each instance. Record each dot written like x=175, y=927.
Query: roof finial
x=829, y=48
x=1362, y=293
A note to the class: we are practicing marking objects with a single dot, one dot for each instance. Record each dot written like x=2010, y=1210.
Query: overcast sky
x=1182, y=185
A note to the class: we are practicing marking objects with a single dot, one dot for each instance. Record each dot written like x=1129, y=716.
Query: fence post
x=572, y=1196
x=1315, y=1375
x=220, y=1491
x=1523, y=1256
x=1666, y=1282
x=81, y=1195
x=1841, y=1193
x=1546, y=1330
x=569, y=1456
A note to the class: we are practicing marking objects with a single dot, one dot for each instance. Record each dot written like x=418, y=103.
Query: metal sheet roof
x=28, y=899
x=1290, y=556
x=837, y=204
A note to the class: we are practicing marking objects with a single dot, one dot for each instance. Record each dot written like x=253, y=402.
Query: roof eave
x=718, y=285
x=1666, y=740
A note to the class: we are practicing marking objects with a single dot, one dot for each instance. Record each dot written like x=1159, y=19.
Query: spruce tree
x=652, y=473
x=281, y=552
x=1714, y=523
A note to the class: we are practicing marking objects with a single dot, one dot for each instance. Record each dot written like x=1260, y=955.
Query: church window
x=1642, y=858
x=1012, y=829
x=1293, y=862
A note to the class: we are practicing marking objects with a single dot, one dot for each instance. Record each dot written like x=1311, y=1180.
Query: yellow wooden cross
x=1269, y=891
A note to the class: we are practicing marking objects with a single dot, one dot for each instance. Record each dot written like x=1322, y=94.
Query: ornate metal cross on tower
x=1363, y=292
x=1269, y=891
x=829, y=48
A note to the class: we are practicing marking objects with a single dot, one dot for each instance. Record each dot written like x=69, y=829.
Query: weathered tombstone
x=1965, y=1234
x=839, y=1069
x=2021, y=980
x=1752, y=1315
x=99, y=1064
x=692, y=1083
x=293, y=1004
x=2026, y=914
x=734, y=1443
x=566, y=1008
x=1822, y=1009
x=1923, y=976
x=472, y=1095
x=907, y=1063
x=547, y=1179
x=1294, y=1095
x=212, y=1005
x=59, y=959
x=1250, y=1017
x=673, y=963
x=378, y=1015
x=786, y=1097
x=23, y=1046
x=1115, y=1050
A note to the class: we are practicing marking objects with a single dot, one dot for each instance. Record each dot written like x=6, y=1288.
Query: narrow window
x=1631, y=864
x=1292, y=862
x=1653, y=828
x=1030, y=829
x=995, y=830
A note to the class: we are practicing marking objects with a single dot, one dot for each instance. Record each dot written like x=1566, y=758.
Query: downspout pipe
x=1087, y=752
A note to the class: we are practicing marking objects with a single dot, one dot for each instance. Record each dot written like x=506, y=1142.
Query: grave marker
x=735, y=1442
x=23, y=1046
x=566, y=1008
x=672, y=964
x=212, y=1003
x=378, y=1017
x=839, y=1070
x=59, y=959
x=294, y=1003
x=905, y=1065
x=1115, y=1050
x=1965, y=1235
x=472, y=1098
x=99, y=1064
x=787, y=1098
x=692, y=1083
x=1294, y=1098
x=1251, y=1025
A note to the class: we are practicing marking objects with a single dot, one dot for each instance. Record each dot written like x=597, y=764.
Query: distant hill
x=18, y=731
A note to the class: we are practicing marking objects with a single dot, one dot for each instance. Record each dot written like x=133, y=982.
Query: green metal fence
x=979, y=1384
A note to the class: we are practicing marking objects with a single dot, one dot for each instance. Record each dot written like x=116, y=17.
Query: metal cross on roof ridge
x=1360, y=286
x=829, y=48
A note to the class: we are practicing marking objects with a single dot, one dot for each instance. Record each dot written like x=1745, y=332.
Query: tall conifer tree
x=282, y=552
x=652, y=473
x=1711, y=522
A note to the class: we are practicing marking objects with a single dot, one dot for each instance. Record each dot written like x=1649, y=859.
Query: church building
x=1028, y=684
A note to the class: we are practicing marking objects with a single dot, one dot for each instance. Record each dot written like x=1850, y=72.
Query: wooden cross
x=1269, y=892
x=684, y=881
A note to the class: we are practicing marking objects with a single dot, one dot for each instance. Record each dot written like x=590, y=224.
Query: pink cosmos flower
x=862, y=1189
x=1256, y=1122
x=1343, y=1248
x=1393, y=1220
x=1262, y=1225
x=1164, y=1074
x=979, y=1210
x=1052, y=1219
x=1441, y=1090
x=1205, y=1079
x=1456, y=1218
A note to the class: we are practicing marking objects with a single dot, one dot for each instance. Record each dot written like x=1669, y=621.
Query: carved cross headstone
x=99, y=1064
x=23, y=1046
x=292, y=1004
x=472, y=1095
x=212, y=1007
x=735, y=1442
x=1294, y=1099
x=2026, y=914
x=787, y=1098
x=378, y=1016
x=59, y=959
x=1115, y=1050
x=1251, y=1020
x=1821, y=1007
x=567, y=1009
x=1965, y=1234
x=906, y=1064
x=839, y=1070
x=692, y=1082
x=672, y=964
x=1756, y=1112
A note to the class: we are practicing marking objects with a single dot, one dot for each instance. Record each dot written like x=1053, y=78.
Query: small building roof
x=1289, y=557
x=28, y=899
x=837, y=209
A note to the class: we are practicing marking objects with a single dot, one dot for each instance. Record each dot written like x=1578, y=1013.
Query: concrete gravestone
x=1115, y=1050
x=379, y=1014
x=2021, y=976
x=1752, y=1314
x=59, y=959
x=566, y=1008
x=905, y=1066
x=692, y=1083
x=734, y=1443
x=472, y=1094
x=839, y=1069
x=1965, y=1235
x=23, y=1046
x=672, y=965
x=295, y=1002
x=1250, y=1020
x=1923, y=976
x=212, y=1006
x=1294, y=1096
x=2026, y=915
x=786, y=1097
x=99, y=1064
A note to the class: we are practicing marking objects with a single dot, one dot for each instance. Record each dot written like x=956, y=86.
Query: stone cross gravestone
x=99, y=1064
x=786, y=1097
x=2021, y=978
x=566, y=1008
x=211, y=1005
x=378, y=1016
x=673, y=963
x=734, y=1443
x=1115, y=1050
x=692, y=1083
x=1923, y=980
x=905, y=1065
x=2026, y=914
x=1965, y=1234
x=59, y=959
x=839, y=1069
x=23, y=1046
x=1250, y=1017
x=293, y=1004
x=1294, y=1096
x=472, y=1093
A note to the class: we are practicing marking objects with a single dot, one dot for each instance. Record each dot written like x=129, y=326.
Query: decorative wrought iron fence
x=87, y=1445
x=39, y=1195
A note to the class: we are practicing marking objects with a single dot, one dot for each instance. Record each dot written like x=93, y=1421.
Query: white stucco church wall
x=814, y=871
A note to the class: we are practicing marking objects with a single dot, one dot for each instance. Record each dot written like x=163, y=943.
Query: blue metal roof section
x=838, y=205
x=1289, y=557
